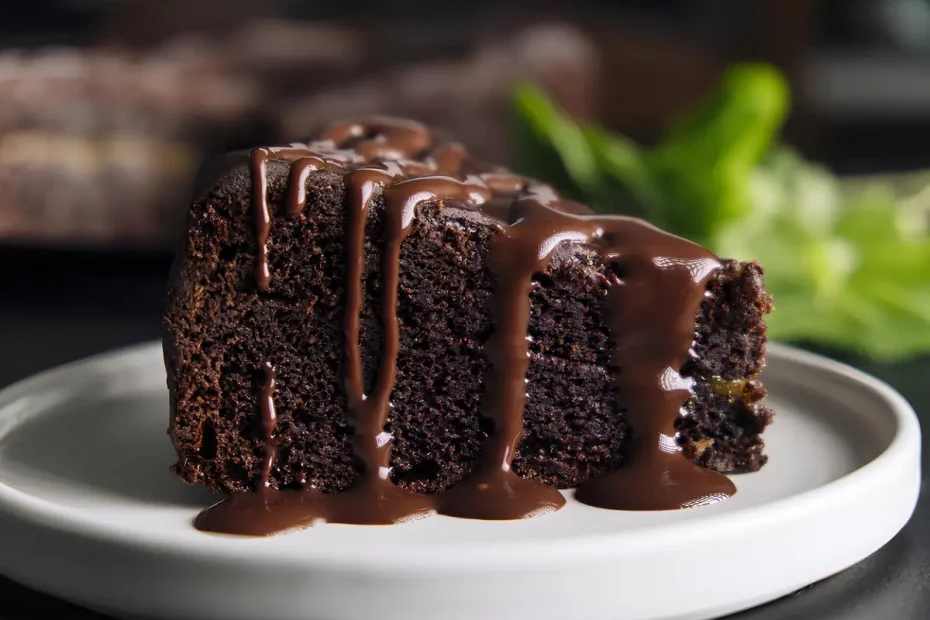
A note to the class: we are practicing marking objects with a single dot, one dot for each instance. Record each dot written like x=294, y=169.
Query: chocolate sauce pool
x=653, y=297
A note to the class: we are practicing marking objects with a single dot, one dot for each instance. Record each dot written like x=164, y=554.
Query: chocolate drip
x=650, y=310
x=307, y=158
x=262, y=217
x=382, y=138
x=657, y=284
x=493, y=491
x=269, y=422
x=374, y=498
x=448, y=159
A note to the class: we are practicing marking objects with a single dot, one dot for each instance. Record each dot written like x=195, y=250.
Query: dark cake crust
x=220, y=331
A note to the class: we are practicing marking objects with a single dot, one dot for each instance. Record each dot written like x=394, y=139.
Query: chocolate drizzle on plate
x=656, y=282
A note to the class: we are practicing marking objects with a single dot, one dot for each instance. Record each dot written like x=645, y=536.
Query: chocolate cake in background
x=99, y=145
x=99, y=148
x=397, y=328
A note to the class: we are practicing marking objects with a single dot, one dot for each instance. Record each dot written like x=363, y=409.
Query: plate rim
x=904, y=447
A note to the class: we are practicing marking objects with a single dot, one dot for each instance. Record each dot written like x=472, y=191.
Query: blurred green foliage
x=848, y=270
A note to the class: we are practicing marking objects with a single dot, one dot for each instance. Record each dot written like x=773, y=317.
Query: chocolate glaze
x=269, y=422
x=656, y=283
x=305, y=160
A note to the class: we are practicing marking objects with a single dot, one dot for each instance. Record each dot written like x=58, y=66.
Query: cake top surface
x=401, y=148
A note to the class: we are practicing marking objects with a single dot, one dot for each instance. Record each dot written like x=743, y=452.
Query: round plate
x=90, y=513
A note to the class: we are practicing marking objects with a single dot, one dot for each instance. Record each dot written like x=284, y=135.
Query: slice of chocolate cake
x=373, y=326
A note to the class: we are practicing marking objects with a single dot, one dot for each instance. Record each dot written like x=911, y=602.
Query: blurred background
x=107, y=107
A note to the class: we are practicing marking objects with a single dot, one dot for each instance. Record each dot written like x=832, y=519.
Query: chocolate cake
x=373, y=327
x=98, y=148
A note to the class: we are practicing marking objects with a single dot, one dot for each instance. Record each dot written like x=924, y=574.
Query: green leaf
x=851, y=276
x=737, y=122
x=544, y=127
x=706, y=161
x=629, y=187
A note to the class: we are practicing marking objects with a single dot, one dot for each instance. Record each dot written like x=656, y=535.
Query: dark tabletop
x=59, y=307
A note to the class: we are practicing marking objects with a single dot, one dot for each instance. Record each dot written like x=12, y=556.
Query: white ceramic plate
x=89, y=513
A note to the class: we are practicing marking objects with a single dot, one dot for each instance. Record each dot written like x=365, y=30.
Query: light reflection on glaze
x=269, y=417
